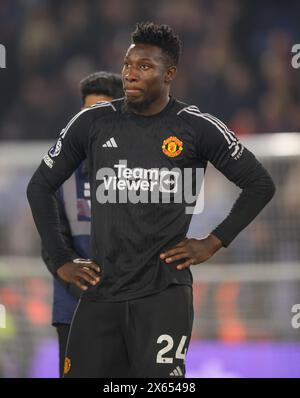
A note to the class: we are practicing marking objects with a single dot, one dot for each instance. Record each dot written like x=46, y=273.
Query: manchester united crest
x=172, y=147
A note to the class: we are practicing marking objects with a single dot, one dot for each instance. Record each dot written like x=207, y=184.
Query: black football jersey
x=145, y=176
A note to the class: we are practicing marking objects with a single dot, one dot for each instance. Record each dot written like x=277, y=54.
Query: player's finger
x=172, y=252
x=176, y=257
x=80, y=285
x=87, y=263
x=91, y=273
x=186, y=264
x=93, y=266
x=85, y=276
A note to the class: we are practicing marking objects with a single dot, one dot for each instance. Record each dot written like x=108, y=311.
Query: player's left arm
x=217, y=144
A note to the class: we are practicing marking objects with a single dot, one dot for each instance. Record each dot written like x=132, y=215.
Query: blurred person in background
x=138, y=288
x=73, y=202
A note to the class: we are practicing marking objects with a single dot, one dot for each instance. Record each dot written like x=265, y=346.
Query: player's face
x=145, y=74
x=91, y=99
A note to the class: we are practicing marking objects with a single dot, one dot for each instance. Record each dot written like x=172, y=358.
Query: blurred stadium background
x=236, y=64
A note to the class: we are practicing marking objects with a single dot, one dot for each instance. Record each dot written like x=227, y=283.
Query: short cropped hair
x=161, y=36
x=102, y=83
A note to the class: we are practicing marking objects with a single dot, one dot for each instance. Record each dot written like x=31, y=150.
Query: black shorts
x=145, y=337
x=62, y=330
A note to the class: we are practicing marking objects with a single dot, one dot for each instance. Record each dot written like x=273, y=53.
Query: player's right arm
x=57, y=166
x=66, y=232
x=68, y=239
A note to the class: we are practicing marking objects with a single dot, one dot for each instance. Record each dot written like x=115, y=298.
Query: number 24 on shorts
x=180, y=352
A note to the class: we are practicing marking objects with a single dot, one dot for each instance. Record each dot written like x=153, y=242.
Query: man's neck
x=153, y=108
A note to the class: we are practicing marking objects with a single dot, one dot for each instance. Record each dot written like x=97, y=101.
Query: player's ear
x=170, y=74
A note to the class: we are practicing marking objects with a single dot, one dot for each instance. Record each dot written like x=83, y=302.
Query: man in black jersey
x=144, y=155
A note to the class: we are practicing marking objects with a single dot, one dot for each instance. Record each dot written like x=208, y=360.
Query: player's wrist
x=214, y=243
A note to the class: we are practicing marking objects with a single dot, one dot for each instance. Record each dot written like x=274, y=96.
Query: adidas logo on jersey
x=111, y=143
x=176, y=372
